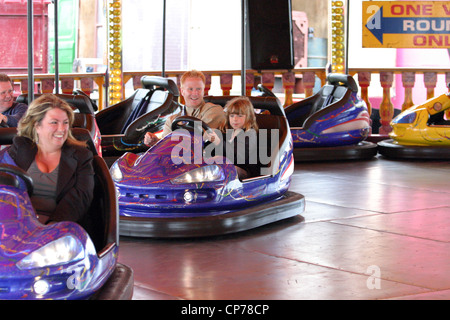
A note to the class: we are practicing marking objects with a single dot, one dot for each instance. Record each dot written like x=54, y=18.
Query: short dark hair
x=5, y=78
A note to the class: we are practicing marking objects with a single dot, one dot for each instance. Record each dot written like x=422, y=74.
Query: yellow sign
x=406, y=24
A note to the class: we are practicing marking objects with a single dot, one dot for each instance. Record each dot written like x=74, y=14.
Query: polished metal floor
x=376, y=229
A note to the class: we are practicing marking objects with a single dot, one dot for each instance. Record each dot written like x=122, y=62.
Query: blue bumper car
x=332, y=124
x=124, y=124
x=62, y=260
x=179, y=188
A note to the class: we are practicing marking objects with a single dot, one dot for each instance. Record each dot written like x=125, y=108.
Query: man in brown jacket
x=192, y=90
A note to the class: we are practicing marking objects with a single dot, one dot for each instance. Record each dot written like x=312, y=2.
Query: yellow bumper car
x=420, y=132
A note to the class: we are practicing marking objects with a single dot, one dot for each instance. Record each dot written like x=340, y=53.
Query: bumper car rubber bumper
x=390, y=149
x=289, y=205
x=361, y=151
x=119, y=285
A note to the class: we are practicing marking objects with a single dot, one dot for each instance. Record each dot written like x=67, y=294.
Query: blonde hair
x=37, y=110
x=243, y=106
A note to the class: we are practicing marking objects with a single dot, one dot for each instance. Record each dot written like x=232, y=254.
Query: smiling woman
x=60, y=166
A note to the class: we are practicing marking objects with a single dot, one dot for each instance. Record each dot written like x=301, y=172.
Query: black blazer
x=75, y=186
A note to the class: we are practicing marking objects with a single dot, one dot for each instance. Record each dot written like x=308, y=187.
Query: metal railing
x=292, y=81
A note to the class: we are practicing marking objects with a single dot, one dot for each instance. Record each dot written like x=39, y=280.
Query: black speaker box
x=269, y=35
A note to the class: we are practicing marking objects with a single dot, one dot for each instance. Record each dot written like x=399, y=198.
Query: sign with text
x=406, y=24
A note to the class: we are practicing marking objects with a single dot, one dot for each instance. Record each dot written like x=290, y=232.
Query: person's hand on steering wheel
x=212, y=137
x=150, y=138
x=3, y=121
x=190, y=123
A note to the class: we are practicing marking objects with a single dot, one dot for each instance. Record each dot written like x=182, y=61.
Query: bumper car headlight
x=116, y=174
x=61, y=251
x=202, y=174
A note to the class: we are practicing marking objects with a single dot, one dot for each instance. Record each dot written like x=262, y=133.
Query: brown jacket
x=212, y=114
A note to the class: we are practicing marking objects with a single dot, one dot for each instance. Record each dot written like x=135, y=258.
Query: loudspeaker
x=269, y=35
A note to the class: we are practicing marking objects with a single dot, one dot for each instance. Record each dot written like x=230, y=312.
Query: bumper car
x=420, y=132
x=332, y=124
x=178, y=188
x=84, y=109
x=124, y=124
x=62, y=260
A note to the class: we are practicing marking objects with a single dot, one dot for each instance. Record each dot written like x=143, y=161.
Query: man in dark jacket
x=10, y=111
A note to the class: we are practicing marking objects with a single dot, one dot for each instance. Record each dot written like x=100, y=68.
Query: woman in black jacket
x=60, y=166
